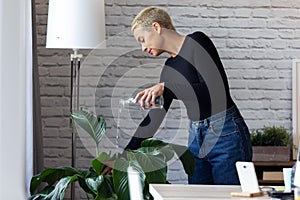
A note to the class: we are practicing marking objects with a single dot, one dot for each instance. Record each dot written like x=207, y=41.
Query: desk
x=196, y=192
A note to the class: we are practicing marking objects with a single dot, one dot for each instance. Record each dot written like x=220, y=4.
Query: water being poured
x=118, y=128
x=131, y=105
x=122, y=104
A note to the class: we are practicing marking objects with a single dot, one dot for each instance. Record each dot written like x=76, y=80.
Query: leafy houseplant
x=271, y=144
x=150, y=160
x=271, y=136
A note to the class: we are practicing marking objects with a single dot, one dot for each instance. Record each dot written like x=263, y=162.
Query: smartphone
x=247, y=176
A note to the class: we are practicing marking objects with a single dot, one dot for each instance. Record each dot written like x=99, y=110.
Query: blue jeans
x=217, y=143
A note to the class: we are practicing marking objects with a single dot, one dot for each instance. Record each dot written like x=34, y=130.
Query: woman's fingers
x=138, y=96
x=148, y=96
x=149, y=99
x=107, y=170
x=143, y=98
x=153, y=100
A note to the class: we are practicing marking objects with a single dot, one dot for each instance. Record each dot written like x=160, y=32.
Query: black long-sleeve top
x=195, y=76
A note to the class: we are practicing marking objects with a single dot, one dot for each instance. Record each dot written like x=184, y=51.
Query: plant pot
x=271, y=153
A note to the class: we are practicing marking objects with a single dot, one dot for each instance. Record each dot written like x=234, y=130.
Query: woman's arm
x=152, y=121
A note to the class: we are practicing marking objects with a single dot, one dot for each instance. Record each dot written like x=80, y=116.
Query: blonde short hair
x=150, y=15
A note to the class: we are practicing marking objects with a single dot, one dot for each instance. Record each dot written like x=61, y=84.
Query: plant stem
x=97, y=151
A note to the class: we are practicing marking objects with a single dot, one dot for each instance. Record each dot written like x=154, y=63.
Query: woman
x=194, y=74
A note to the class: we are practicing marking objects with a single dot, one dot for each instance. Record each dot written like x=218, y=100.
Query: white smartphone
x=247, y=176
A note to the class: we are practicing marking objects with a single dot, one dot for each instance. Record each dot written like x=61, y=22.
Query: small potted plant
x=271, y=144
x=150, y=161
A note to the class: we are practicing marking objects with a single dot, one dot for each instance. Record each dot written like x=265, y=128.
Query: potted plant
x=271, y=144
x=152, y=152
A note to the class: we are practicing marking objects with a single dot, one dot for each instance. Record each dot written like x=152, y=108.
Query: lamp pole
x=74, y=105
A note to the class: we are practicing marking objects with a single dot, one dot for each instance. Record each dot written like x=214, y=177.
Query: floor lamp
x=75, y=24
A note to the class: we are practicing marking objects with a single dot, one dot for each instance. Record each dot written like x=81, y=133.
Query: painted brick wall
x=256, y=39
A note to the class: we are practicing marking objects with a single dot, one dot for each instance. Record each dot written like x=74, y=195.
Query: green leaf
x=120, y=177
x=38, y=197
x=186, y=157
x=164, y=152
x=98, y=163
x=51, y=175
x=153, y=166
x=153, y=142
x=98, y=166
x=60, y=188
x=111, y=198
x=157, y=146
x=84, y=186
x=94, y=183
x=43, y=194
x=101, y=186
x=58, y=192
x=84, y=175
x=106, y=189
x=184, y=154
x=93, y=125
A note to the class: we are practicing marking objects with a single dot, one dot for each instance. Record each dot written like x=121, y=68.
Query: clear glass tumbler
x=159, y=103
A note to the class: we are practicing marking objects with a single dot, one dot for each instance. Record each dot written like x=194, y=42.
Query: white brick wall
x=256, y=39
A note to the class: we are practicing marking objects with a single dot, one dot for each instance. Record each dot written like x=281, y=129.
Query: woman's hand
x=108, y=168
x=107, y=171
x=149, y=95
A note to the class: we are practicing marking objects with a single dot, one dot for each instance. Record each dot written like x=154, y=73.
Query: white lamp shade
x=75, y=24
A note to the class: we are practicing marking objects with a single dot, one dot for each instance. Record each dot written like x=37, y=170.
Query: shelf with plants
x=271, y=144
x=272, y=147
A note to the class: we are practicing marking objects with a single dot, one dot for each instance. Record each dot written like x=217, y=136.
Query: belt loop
x=206, y=123
x=195, y=123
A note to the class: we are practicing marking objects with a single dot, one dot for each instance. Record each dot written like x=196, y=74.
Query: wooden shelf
x=261, y=167
x=274, y=164
x=269, y=182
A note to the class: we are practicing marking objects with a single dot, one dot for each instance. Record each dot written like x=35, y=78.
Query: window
x=296, y=106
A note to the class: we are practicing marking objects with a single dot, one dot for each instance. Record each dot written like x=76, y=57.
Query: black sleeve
x=184, y=91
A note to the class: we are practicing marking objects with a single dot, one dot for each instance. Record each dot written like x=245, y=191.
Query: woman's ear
x=157, y=27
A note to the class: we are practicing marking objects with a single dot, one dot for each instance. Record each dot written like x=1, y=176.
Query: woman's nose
x=143, y=48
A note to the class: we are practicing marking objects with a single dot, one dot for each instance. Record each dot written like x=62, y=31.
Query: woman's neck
x=173, y=42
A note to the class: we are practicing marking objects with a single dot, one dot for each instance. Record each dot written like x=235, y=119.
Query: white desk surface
x=196, y=192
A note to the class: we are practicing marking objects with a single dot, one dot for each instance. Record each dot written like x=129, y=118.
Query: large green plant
x=150, y=161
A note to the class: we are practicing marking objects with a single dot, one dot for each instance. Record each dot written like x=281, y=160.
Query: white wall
x=12, y=99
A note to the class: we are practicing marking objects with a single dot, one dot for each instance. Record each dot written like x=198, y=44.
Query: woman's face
x=150, y=40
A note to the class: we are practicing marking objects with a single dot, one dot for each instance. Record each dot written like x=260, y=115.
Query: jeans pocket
x=223, y=127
